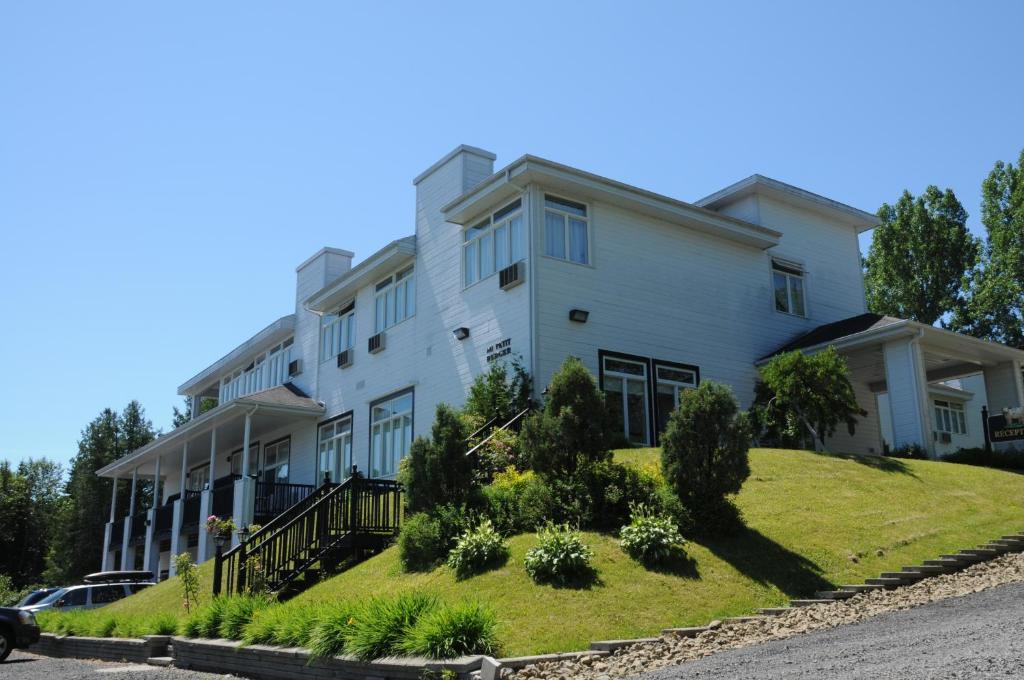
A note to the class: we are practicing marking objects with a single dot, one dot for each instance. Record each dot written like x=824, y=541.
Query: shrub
x=420, y=543
x=478, y=550
x=612, y=490
x=1011, y=459
x=561, y=557
x=378, y=627
x=329, y=635
x=163, y=624
x=498, y=452
x=452, y=631
x=518, y=502
x=572, y=432
x=238, y=613
x=500, y=393
x=704, y=450
x=437, y=472
x=649, y=537
x=288, y=626
x=188, y=575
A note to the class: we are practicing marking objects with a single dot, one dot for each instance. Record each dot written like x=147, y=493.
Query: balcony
x=273, y=498
x=190, y=509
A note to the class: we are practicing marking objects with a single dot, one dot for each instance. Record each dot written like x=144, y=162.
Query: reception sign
x=1001, y=429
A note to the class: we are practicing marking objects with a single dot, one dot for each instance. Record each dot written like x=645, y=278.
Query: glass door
x=625, y=386
x=335, y=452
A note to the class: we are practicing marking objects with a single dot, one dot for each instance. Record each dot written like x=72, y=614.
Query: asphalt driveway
x=975, y=636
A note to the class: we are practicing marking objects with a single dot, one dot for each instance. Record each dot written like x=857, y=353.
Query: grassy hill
x=812, y=521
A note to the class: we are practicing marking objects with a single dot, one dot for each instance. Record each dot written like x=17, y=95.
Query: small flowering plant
x=649, y=537
x=215, y=526
x=561, y=557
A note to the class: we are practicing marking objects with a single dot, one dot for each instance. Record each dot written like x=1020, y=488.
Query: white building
x=540, y=261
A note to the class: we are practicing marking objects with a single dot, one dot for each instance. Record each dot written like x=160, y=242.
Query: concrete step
x=741, y=619
x=999, y=547
x=907, y=576
x=808, y=603
x=950, y=563
x=861, y=588
x=162, y=661
x=834, y=594
x=775, y=611
x=963, y=558
x=983, y=553
x=690, y=632
x=1013, y=537
x=930, y=569
x=886, y=582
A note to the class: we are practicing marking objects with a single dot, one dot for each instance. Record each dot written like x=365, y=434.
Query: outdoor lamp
x=461, y=333
x=243, y=534
x=578, y=315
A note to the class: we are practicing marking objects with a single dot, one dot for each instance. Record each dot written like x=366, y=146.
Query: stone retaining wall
x=107, y=649
x=277, y=663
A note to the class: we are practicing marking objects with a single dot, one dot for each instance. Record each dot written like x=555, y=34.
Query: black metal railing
x=273, y=498
x=117, y=533
x=163, y=518
x=138, y=530
x=190, y=508
x=223, y=504
x=334, y=518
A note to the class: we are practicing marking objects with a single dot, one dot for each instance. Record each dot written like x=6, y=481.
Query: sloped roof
x=837, y=330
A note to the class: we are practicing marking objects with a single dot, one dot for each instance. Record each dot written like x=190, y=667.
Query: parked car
x=99, y=589
x=34, y=597
x=18, y=629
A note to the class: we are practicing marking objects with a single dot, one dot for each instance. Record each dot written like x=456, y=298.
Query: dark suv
x=17, y=629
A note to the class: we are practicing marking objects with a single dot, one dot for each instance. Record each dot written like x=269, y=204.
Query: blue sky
x=165, y=166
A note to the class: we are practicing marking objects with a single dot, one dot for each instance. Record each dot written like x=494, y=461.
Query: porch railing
x=117, y=533
x=163, y=519
x=223, y=500
x=273, y=498
x=138, y=530
x=190, y=508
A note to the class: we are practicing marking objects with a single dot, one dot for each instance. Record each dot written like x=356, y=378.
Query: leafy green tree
x=30, y=497
x=920, y=256
x=437, y=471
x=704, y=450
x=182, y=416
x=994, y=310
x=810, y=393
x=78, y=544
x=502, y=392
x=572, y=431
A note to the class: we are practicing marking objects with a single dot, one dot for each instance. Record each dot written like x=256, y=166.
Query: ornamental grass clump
x=561, y=557
x=478, y=550
x=238, y=613
x=378, y=627
x=205, y=622
x=452, y=631
x=650, y=538
x=329, y=633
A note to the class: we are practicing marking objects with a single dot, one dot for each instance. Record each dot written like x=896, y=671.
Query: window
x=337, y=332
x=671, y=382
x=396, y=299
x=788, y=284
x=390, y=433
x=269, y=369
x=949, y=417
x=493, y=244
x=254, y=460
x=199, y=478
x=566, y=230
x=107, y=594
x=75, y=597
x=275, y=461
x=625, y=388
x=335, y=452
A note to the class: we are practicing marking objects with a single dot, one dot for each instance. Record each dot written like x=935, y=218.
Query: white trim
x=369, y=271
x=273, y=334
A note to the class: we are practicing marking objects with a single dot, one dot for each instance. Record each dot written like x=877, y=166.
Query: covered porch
x=911, y=366
x=248, y=459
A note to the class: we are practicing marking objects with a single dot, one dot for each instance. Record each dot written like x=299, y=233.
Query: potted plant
x=220, y=529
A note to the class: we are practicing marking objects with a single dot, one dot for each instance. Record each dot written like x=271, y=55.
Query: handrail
x=483, y=427
x=313, y=498
x=506, y=426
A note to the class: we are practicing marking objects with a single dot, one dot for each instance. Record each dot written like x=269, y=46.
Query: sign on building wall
x=1007, y=426
x=499, y=350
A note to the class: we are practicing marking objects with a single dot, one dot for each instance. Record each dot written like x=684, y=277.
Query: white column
x=107, y=531
x=204, y=551
x=113, y=501
x=184, y=471
x=179, y=508
x=908, y=393
x=156, y=484
x=213, y=456
x=128, y=521
x=243, y=500
x=245, y=445
x=135, y=483
x=147, y=554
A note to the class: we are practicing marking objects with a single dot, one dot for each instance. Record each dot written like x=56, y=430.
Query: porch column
x=203, y=551
x=243, y=487
x=128, y=521
x=148, y=555
x=1003, y=389
x=108, y=530
x=908, y=394
x=179, y=508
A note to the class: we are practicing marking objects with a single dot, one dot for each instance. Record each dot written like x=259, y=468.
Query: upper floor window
x=269, y=369
x=396, y=299
x=788, y=282
x=949, y=417
x=493, y=243
x=566, y=230
x=337, y=332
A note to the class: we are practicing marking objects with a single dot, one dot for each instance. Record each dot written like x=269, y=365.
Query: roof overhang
x=941, y=390
x=527, y=170
x=787, y=193
x=271, y=403
x=280, y=330
x=343, y=290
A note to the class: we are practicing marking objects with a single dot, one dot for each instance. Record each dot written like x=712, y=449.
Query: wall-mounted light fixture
x=461, y=333
x=578, y=315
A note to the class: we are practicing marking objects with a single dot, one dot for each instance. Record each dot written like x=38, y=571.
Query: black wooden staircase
x=334, y=524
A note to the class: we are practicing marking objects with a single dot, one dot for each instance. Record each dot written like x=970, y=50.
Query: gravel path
x=975, y=636
x=24, y=666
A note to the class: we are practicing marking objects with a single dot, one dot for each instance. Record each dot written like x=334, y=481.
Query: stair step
x=808, y=603
x=930, y=569
x=1001, y=548
x=951, y=563
x=834, y=594
x=775, y=611
x=983, y=553
x=692, y=631
x=741, y=619
x=963, y=558
x=861, y=588
x=886, y=582
x=163, y=661
x=908, y=576
x=1013, y=537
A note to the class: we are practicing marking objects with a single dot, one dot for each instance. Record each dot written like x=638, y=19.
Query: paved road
x=23, y=666
x=976, y=636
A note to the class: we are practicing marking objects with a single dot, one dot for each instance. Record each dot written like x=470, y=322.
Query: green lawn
x=812, y=521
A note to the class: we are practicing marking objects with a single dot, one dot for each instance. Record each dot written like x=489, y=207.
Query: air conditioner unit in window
x=294, y=367
x=512, y=275
x=376, y=343
x=345, y=359
x=946, y=437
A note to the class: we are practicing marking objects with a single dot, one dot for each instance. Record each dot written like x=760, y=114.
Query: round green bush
x=561, y=557
x=478, y=550
x=649, y=537
x=420, y=543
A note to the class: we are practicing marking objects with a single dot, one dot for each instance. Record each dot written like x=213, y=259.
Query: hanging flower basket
x=220, y=528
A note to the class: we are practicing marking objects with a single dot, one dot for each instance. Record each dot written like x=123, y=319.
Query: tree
x=30, y=497
x=502, y=392
x=809, y=393
x=994, y=309
x=180, y=417
x=920, y=257
x=437, y=471
x=704, y=449
x=78, y=544
x=572, y=431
